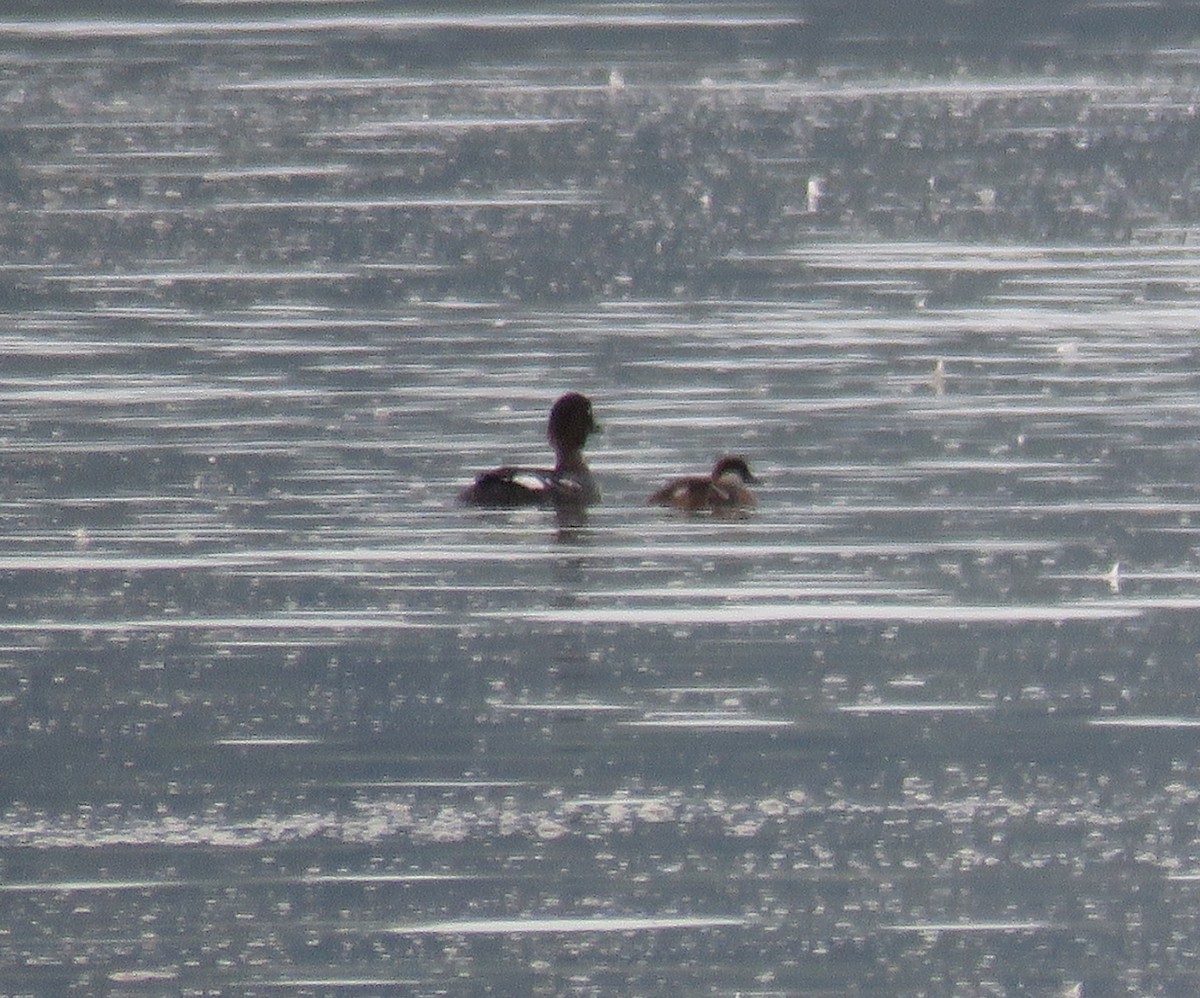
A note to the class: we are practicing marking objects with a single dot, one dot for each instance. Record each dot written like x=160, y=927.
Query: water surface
x=278, y=716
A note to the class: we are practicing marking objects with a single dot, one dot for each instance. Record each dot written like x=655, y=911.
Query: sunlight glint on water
x=278, y=715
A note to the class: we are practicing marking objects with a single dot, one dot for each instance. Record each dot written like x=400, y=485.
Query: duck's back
x=515, y=487
x=506, y=487
x=685, y=493
x=695, y=495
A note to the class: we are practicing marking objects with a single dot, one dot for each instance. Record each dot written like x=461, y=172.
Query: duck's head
x=570, y=422
x=736, y=466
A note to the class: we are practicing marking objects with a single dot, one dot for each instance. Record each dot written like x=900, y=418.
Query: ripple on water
x=270, y=304
x=567, y=926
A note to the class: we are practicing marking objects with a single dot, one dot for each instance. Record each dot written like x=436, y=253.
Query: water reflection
x=928, y=714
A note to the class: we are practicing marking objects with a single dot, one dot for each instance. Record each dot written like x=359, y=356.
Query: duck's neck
x=569, y=461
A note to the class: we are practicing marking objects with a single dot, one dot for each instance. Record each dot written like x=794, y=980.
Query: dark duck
x=724, y=491
x=569, y=484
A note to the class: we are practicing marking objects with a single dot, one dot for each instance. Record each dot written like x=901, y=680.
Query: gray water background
x=278, y=717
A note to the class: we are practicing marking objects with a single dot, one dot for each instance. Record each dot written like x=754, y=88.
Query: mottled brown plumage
x=723, y=492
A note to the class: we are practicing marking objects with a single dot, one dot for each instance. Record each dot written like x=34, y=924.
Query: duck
x=724, y=491
x=568, y=484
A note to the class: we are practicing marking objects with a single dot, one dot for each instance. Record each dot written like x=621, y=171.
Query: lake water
x=278, y=717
